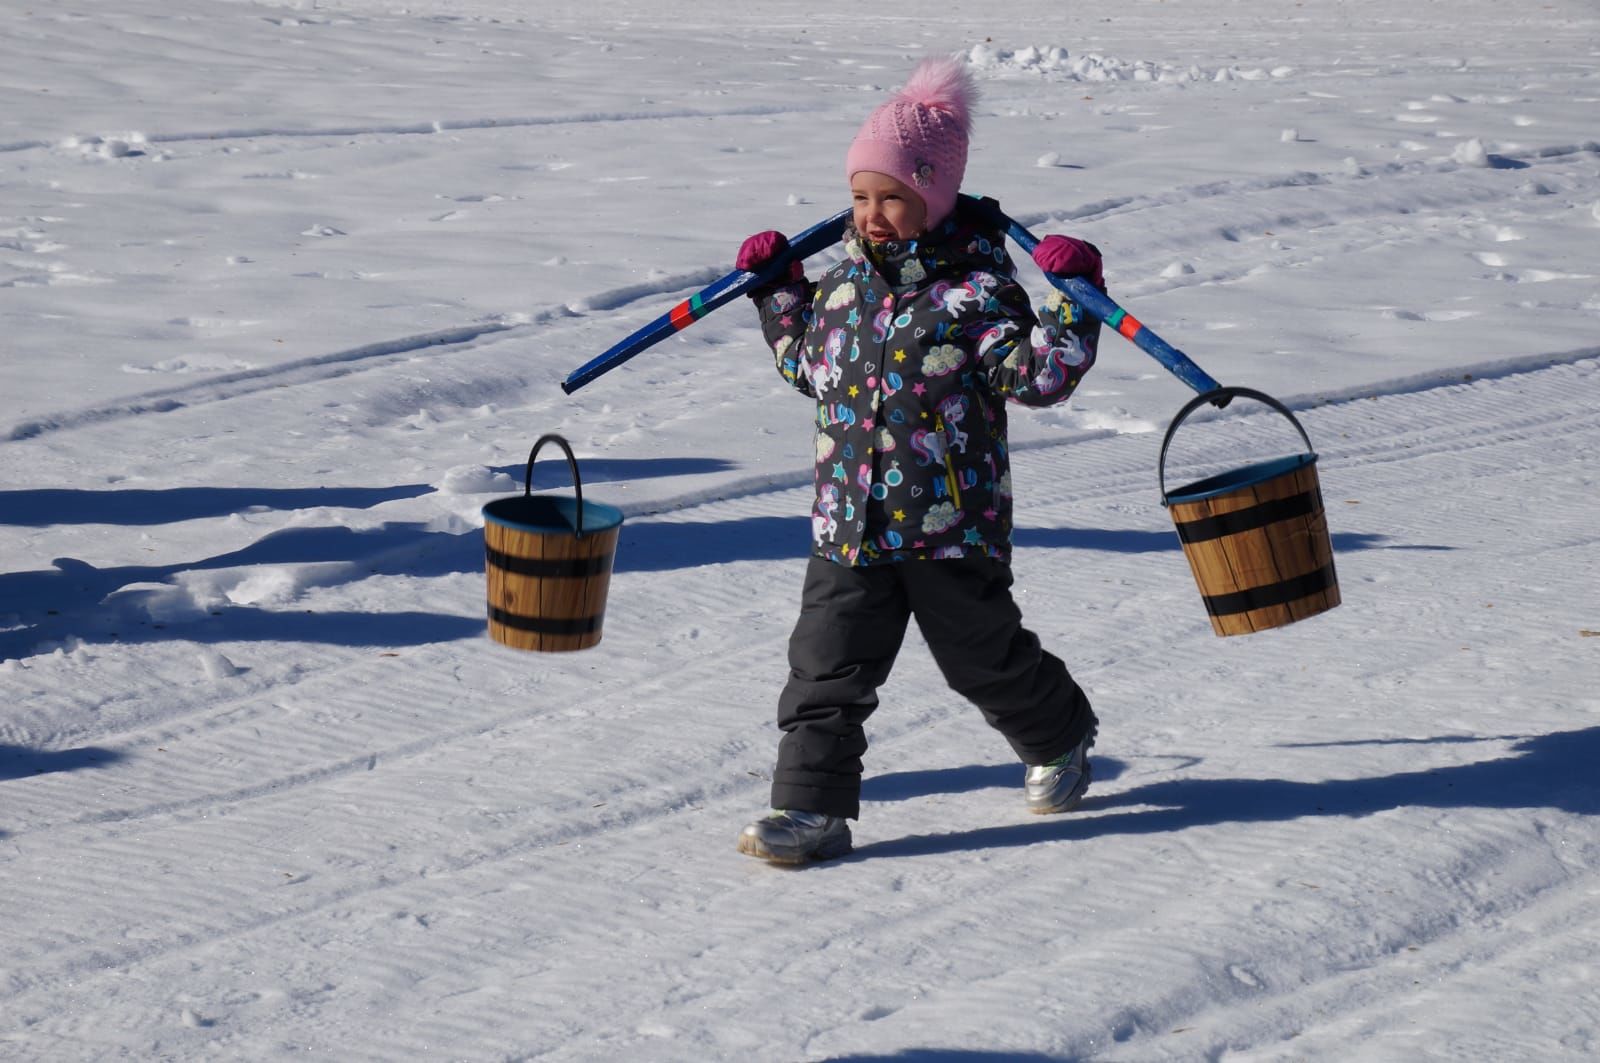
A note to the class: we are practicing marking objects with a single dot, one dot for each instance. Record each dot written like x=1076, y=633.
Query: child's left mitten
x=1067, y=256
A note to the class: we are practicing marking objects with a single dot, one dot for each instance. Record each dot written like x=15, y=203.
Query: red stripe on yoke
x=1129, y=326
x=682, y=316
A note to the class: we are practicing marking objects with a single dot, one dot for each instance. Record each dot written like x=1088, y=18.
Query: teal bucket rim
x=597, y=516
x=1242, y=477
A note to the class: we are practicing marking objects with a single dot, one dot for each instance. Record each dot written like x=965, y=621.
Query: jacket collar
x=960, y=242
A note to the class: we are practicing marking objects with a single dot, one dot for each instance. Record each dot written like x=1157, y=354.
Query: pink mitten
x=759, y=250
x=1066, y=256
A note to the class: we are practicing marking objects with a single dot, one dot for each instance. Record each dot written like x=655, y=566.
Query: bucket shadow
x=550, y=472
x=660, y=546
x=1133, y=541
x=1503, y=162
x=952, y=1055
x=1441, y=740
x=1116, y=541
x=663, y=546
x=39, y=508
x=72, y=583
x=1546, y=771
x=244, y=623
x=249, y=624
x=907, y=785
x=74, y=598
x=20, y=762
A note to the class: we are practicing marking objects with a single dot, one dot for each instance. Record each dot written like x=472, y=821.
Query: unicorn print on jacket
x=912, y=350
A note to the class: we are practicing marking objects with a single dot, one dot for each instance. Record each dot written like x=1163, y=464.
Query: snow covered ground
x=286, y=294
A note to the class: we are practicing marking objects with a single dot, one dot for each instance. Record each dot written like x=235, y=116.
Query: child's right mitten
x=784, y=303
x=759, y=250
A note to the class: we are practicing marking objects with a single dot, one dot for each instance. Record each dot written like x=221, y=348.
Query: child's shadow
x=905, y=785
x=1543, y=771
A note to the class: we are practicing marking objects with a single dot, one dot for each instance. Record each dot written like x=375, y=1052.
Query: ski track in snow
x=358, y=744
x=1342, y=222
x=451, y=125
x=267, y=789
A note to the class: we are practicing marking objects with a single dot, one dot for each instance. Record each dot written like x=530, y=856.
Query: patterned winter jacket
x=910, y=351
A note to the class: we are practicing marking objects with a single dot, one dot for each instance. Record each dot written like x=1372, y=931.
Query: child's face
x=886, y=209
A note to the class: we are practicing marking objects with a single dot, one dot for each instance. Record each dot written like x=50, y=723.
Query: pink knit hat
x=920, y=136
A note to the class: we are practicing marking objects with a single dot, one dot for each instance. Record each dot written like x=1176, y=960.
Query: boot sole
x=829, y=850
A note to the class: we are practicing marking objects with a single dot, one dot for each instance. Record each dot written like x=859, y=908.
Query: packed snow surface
x=287, y=293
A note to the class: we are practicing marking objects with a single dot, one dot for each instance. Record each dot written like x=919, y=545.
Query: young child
x=911, y=347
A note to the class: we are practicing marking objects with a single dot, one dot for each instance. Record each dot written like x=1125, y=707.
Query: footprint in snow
x=1243, y=976
x=1394, y=314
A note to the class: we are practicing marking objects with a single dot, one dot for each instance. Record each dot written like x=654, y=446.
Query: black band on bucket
x=569, y=568
x=1258, y=516
x=543, y=625
x=1280, y=593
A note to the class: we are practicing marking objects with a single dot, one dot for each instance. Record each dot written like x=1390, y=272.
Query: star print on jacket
x=911, y=351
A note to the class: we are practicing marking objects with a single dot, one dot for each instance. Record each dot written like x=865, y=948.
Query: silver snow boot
x=1059, y=785
x=786, y=837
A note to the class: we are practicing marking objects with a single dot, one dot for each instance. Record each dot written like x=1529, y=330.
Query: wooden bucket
x=1256, y=537
x=549, y=564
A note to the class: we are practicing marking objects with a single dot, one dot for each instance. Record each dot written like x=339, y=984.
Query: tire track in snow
x=303, y=805
x=1179, y=998
x=324, y=715
x=312, y=370
x=319, y=369
x=349, y=714
x=1513, y=401
x=1358, y=208
x=597, y=863
x=1554, y=934
x=425, y=128
x=1124, y=466
x=1051, y=473
x=1185, y=195
x=643, y=808
x=1121, y=463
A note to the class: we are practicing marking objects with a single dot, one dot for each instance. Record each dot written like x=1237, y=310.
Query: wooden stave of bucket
x=1256, y=539
x=548, y=574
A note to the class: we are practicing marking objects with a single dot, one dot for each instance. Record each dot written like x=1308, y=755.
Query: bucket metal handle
x=1221, y=397
x=572, y=463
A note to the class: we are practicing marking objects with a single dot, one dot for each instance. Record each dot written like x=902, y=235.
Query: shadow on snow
x=20, y=762
x=71, y=599
x=658, y=546
x=53, y=603
x=42, y=507
x=550, y=473
x=905, y=785
x=1544, y=771
x=951, y=1055
x=141, y=507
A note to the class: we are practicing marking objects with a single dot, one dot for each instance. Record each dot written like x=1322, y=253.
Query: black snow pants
x=852, y=622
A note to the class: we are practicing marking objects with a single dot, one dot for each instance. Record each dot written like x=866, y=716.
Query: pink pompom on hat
x=920, y=136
